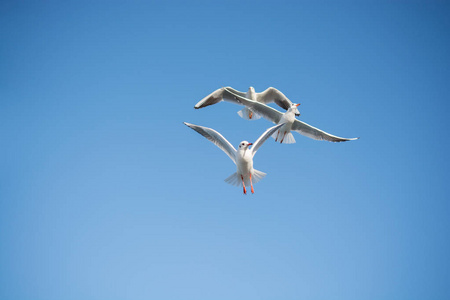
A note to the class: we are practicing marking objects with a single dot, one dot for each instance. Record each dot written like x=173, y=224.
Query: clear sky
x=105, y=194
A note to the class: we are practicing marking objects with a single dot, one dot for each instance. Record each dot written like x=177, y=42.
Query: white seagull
x=243, y=158
x=268, y=96
x=288, y=118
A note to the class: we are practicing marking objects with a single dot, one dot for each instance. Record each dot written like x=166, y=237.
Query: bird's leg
x=276, y=140
x=283, y=138
x=251, y=183
x=250, y=114
x=243, y=184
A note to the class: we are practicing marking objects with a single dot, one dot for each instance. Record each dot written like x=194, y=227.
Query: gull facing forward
x=243, y=157
x=288, y=118
x=268, y=96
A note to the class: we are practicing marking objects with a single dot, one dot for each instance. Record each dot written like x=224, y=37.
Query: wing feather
x=317, y=134
x=264, y=137
x=216, y=138
x=261, y=109
x=273, y=95
x=217, y=96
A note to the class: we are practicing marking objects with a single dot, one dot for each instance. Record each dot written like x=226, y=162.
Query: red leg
x=243, y=184
x=250, y=115
x=251, y=183
x=283, y=138
x=276, y=140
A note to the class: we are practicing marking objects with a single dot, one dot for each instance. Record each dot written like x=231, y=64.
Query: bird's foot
x=284, y=135
x=243, y=185
x=276, y=139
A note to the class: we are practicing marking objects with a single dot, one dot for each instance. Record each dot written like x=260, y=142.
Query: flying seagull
x=284, y=134
x=268, y=96
x=243, y=157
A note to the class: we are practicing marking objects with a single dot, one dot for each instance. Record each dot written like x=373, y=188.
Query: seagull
x=242, y=158
x=284, y=134
x=268, y=96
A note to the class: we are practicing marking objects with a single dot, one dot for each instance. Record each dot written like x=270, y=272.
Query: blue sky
x=105, y=194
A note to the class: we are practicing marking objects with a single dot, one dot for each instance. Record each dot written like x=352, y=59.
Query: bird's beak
x=297, y=104
x=250, y=144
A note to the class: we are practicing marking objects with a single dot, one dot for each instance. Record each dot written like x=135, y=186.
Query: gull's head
x=244, y=145
x=251, y=89
x=294, y=109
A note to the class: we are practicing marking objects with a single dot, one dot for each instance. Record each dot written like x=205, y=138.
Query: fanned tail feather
x=247, y=114
x=274, y=135
x=288, y=138
x=257, y=176
x=235, y=179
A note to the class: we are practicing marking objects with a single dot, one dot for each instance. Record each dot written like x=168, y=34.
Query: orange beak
x=250, y=144
x=297, y=104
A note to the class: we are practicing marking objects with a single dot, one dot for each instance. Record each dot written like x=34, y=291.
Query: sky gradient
x=105, y=194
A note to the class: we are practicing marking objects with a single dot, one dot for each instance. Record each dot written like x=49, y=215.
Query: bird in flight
x=284, y=134
x=268, y=96
x=245, y=174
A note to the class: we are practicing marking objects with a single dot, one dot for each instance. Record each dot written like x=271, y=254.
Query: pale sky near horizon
x=105, y=194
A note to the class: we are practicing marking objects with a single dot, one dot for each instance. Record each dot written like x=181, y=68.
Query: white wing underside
x=317, y=134
x=227, y=94
x=219, y=95
x=264, y=137
x=261, y=109
x=273, y=95
x=274, y=116
x=216, y=138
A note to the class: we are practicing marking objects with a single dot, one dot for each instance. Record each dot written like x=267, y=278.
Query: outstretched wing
x=264, y=137
x=261, y=109
x=217, y=96
x=315, y=133
x=273, y=95
x=216, y=138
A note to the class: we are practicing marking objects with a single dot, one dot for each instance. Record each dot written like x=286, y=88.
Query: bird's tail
x=287, y=139
x=257, y=176
x=247, y=114
x=235, y=179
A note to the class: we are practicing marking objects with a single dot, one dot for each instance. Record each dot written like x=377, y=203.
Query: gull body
x=284, y=134
x=288, y=118
x=243, y=157
x=268, y=96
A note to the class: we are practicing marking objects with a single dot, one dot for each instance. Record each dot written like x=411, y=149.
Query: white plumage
x=268, y=96
x=243, y=157
x=284, y=134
